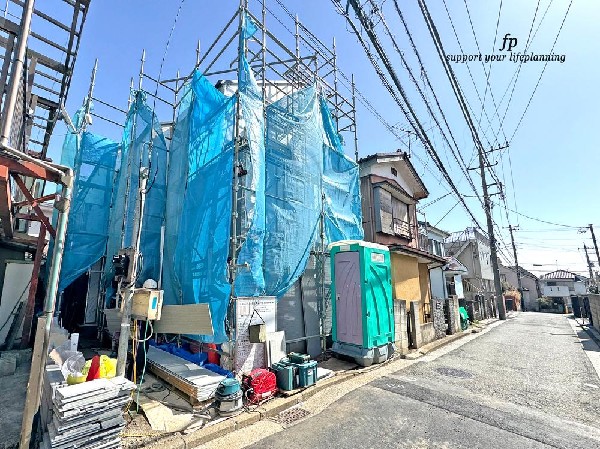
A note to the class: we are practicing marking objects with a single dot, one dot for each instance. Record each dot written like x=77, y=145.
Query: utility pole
x=589, y=263
x=487, y=205
x=591, y=227
x=520, y=285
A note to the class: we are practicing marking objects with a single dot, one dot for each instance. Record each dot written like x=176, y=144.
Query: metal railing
x=401, y=228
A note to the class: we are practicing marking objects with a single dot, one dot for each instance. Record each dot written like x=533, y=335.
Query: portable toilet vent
x=363, y=308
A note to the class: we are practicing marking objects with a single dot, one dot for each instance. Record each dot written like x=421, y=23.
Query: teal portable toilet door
x=348, y=306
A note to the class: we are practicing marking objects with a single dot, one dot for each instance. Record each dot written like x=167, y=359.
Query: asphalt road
x=525, y=384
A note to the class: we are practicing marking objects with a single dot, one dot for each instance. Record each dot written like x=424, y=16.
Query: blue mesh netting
x=90, y=206
x=289, y=176
x=293, y=189
x=341, y=187
x=250, y=280
x=141, y=127
x=197, y=240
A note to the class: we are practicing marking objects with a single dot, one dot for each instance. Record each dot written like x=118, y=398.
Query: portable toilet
x=363, y=308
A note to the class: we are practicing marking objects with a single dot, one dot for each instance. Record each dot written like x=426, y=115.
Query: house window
x=400, y=217
x=551, y=284
x=394, y=171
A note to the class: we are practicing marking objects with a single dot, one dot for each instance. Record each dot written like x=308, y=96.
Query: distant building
x=431, y=239
x=472, y=249
x=530, y=282
x=560, y=285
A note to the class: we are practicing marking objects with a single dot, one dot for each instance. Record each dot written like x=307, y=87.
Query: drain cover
x=291, y=415
x=454, y=372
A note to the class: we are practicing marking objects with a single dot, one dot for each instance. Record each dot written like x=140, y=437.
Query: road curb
x=277, y=405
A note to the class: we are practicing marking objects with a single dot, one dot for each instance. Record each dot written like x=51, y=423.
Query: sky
x=548, y=170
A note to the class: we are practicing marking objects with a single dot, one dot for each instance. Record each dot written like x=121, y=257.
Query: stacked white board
x=87, y=415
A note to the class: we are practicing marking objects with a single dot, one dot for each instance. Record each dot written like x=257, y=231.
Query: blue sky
x=553, y=155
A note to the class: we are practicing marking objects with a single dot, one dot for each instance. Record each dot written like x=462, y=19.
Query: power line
x=406, y=107
x=489, y=72
x=472, y=81
x=543, y=70
x=458, y=157
x=501, y=128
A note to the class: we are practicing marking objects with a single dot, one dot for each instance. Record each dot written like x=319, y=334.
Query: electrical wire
x=404, y=105
x=543, y=71
x=487, y=87
x=458, y=158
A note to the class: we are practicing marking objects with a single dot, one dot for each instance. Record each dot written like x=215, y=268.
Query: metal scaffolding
x=282, y=65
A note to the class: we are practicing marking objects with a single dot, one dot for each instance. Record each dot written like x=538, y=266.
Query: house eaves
x=402, y=161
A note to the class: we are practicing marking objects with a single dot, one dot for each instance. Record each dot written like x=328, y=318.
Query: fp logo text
x=512, y=42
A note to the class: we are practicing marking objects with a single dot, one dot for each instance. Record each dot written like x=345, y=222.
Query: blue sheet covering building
x=292, y=170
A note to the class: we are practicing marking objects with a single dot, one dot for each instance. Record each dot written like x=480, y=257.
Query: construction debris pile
x=87, y=415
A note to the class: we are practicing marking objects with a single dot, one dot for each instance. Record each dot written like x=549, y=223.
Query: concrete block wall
x=400, y=326
x=439, y=318
x=427, y=333
x=595, y=309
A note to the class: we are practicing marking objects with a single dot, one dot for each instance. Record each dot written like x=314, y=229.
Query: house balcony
x=401, y=228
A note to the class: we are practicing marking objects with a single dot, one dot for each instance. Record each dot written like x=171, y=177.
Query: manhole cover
x=291, y=415
x=453, y=372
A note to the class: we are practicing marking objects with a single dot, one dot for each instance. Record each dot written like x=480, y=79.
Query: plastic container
x=307, y=373
x=296, y=357
x=285, y=375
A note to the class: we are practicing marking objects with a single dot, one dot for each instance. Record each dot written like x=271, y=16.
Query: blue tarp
x=198, y=239
x=90, y=206
x=141, y=128
x=291, y=172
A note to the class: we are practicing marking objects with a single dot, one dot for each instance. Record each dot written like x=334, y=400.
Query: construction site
x=196, y=235
x=202, y=233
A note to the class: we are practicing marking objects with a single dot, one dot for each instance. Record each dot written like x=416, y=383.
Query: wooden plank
x=34, y=385
x=193, y=319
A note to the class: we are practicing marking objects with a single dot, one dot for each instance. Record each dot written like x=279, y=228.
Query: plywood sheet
x=193, y=319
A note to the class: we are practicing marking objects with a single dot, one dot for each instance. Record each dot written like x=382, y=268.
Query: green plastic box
x=307, y=373
x=285, y=375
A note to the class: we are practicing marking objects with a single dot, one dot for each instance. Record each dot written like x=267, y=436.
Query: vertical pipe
x=335, y=88
x=88, y=100
x=34, y=387
x=143, y=60
x=130, y=98
x=354, y=119
x=15, y=75
x=197, y=57
x=235, y=188
x=264, y=61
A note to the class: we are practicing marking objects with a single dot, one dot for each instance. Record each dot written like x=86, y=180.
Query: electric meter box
x=146, y=304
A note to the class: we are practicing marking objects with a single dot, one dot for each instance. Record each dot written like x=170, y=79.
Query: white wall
x=485, y=260
x=17, y=274
x=384, y=169
x=580, y=288
x=555, y=291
